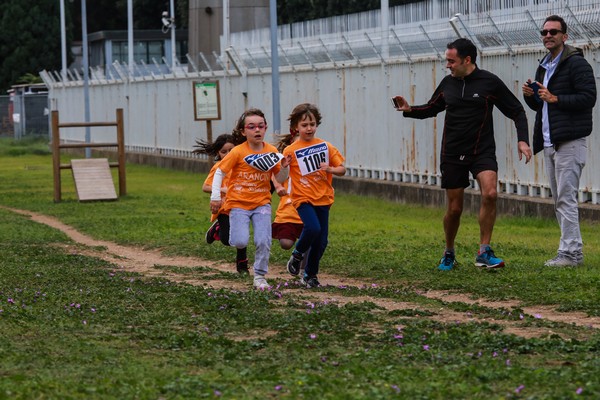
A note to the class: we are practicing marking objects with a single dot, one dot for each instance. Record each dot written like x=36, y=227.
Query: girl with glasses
x=249, y=167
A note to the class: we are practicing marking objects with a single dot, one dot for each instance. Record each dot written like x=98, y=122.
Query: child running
x=312, y=166
x=219, y=230
x=250, y=166
x=287, y=225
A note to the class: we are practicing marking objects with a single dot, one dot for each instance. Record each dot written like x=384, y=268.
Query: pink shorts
x=286, y=230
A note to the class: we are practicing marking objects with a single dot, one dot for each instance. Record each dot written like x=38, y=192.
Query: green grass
x=75, y=327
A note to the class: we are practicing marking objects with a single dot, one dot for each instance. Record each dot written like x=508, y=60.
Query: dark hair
x=239, y=126
x=300, y=112
x=464, y=48
x=212, y=149
x=556, y=18
x=284, y=140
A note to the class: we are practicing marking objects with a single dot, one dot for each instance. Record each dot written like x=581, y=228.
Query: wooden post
x=121, y=153
x=56, y=157
x=209, y=139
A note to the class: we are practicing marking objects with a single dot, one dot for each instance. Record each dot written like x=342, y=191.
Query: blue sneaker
x=488, y=259
x=447, y=262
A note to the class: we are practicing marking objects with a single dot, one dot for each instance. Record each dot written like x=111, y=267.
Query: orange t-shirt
x=249, y=175
x=209, y=181
x=286, y=213
x=309, y=183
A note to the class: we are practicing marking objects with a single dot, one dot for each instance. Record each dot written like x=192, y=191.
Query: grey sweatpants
x=239, y=233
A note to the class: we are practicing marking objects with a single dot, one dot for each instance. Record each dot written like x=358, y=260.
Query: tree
x=30, y=40
x=290, y=11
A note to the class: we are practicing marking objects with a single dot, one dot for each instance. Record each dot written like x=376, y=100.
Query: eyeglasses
x=252, y=127
x=552, y=32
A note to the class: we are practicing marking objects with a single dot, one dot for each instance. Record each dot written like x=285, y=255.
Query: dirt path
x=146, y=262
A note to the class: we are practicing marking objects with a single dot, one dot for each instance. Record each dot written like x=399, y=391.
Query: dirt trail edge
x=145, y=262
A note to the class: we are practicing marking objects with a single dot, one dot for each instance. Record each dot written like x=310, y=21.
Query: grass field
x=76, y=326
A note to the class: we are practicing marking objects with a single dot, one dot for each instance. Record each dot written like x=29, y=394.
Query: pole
x=385, y=28
x=226, y=27
x=130, y=60
x=275, y=67
x=86, y=76
x=63, y=41
x=173, y=46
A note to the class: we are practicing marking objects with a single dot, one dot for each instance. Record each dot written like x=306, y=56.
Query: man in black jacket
x=468, y=95
x=565, y=93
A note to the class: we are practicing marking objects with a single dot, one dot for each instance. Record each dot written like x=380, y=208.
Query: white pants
x=239, y=233
x=564, y=171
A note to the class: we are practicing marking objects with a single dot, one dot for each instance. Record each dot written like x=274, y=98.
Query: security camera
x=166, y=21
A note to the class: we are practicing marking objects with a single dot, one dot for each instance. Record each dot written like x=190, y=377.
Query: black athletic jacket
x=574, y=84
x=469, y=102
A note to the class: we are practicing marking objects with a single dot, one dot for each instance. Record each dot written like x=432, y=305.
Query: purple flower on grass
x=508, y=363
x=579, y=390
x=313, y=336
x=521, y=316
x=518, y=390
x=538, y=316
x=278, y=387
x=218, y=393
x=426, y=347
x=11, y=301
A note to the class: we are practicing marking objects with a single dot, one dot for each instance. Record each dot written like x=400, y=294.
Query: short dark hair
x=556, y=18
x=464, y=48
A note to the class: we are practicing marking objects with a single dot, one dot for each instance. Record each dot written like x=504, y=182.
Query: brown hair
x=212, y=149
x=300, y=112
x=241, y=122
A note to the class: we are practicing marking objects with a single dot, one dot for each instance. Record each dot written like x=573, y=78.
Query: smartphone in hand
x=536, y=87
x=395, y=102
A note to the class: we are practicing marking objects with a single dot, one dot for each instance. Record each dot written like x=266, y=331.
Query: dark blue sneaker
x=447, y=262
x=488, y=259
x=310, y=281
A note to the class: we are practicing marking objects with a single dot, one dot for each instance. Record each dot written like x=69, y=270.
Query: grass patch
x=78, y=327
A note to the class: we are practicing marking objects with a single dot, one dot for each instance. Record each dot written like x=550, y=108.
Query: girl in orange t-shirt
x=250, y=166
x=312, y=166
x=219, y=230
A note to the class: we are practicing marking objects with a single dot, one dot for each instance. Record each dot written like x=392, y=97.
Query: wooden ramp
x=93, y=180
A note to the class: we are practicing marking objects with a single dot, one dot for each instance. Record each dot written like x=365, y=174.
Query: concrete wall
x=206, y=23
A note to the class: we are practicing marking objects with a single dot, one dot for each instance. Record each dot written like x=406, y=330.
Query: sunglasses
x=252, y=127
x=552, y=32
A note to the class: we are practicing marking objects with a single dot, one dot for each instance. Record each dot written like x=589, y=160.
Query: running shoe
x=488, y=259
x=447, y=262
x=212, y=233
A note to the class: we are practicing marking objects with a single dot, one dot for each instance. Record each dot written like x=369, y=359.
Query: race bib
x=310, y=158
x=264, y=161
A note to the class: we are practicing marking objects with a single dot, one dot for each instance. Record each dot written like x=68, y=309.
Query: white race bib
x=310, y=158
x=264, y=161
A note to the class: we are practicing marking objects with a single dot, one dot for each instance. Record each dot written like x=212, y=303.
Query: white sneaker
x=562, y=261
x=260, y=282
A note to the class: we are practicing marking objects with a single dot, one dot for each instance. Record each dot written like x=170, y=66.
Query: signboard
x=207, y=104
